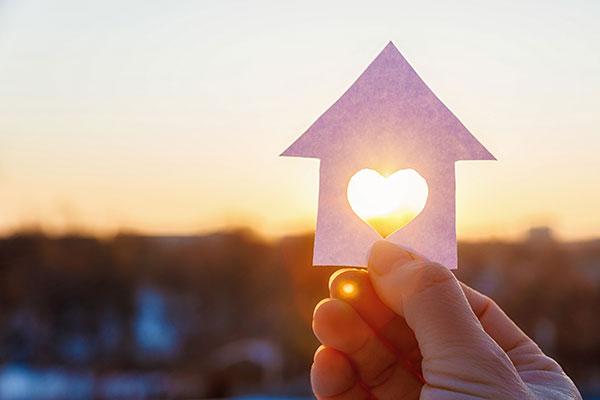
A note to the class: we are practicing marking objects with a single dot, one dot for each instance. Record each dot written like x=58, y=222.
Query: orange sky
x=168, y=119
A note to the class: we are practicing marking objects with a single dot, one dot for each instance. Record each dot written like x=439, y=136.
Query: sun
x=387, y=203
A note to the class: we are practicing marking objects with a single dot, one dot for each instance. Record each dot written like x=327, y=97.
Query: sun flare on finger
x=348, y=289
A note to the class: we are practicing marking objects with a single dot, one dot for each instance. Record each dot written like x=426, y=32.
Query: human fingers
x=450, y=337
x=336, y=324
x=354, y=287
x=333, y=378
x=524, y=353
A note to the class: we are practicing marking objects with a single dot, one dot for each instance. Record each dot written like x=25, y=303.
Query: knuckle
x=318, y=351
x=432, y=275
x=323, y=308
x=321, y=314
x=321, y=305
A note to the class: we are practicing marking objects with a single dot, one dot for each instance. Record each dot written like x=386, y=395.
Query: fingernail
x=385, y=254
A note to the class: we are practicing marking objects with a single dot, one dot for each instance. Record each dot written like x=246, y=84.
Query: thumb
x=431, y=300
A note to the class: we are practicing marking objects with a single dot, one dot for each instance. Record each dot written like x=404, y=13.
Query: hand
x=407, y=329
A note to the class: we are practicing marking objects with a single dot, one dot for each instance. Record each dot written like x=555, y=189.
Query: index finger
x=355, y=288
x=517, y=345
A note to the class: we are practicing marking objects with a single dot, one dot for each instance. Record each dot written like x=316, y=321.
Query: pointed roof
x=389, y=105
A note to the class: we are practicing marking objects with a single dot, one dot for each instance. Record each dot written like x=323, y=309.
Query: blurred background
x=154, y=245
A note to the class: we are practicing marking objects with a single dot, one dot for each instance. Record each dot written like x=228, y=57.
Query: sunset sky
x=167, y=117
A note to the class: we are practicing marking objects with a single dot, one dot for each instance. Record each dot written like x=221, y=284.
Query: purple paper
x=388, y=120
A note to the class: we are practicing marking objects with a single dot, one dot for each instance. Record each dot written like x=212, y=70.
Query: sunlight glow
x=387, y=203
x=348, y=289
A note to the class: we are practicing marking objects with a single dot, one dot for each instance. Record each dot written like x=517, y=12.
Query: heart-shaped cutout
x=387, y=203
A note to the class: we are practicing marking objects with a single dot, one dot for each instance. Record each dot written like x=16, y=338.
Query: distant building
x=540, y=235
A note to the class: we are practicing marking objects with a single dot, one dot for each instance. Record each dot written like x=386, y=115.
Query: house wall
x=343, y=238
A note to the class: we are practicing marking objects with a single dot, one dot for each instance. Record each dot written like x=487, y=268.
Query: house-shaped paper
x=388, y=120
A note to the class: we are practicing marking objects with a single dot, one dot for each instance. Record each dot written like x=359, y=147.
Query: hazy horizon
x=538, y=234
x=168, y=119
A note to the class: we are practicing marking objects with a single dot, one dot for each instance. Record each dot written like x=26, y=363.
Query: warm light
x=387, y=203
x=348, y=289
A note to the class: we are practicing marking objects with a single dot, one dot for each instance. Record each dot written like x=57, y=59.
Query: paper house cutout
x=386, y=121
